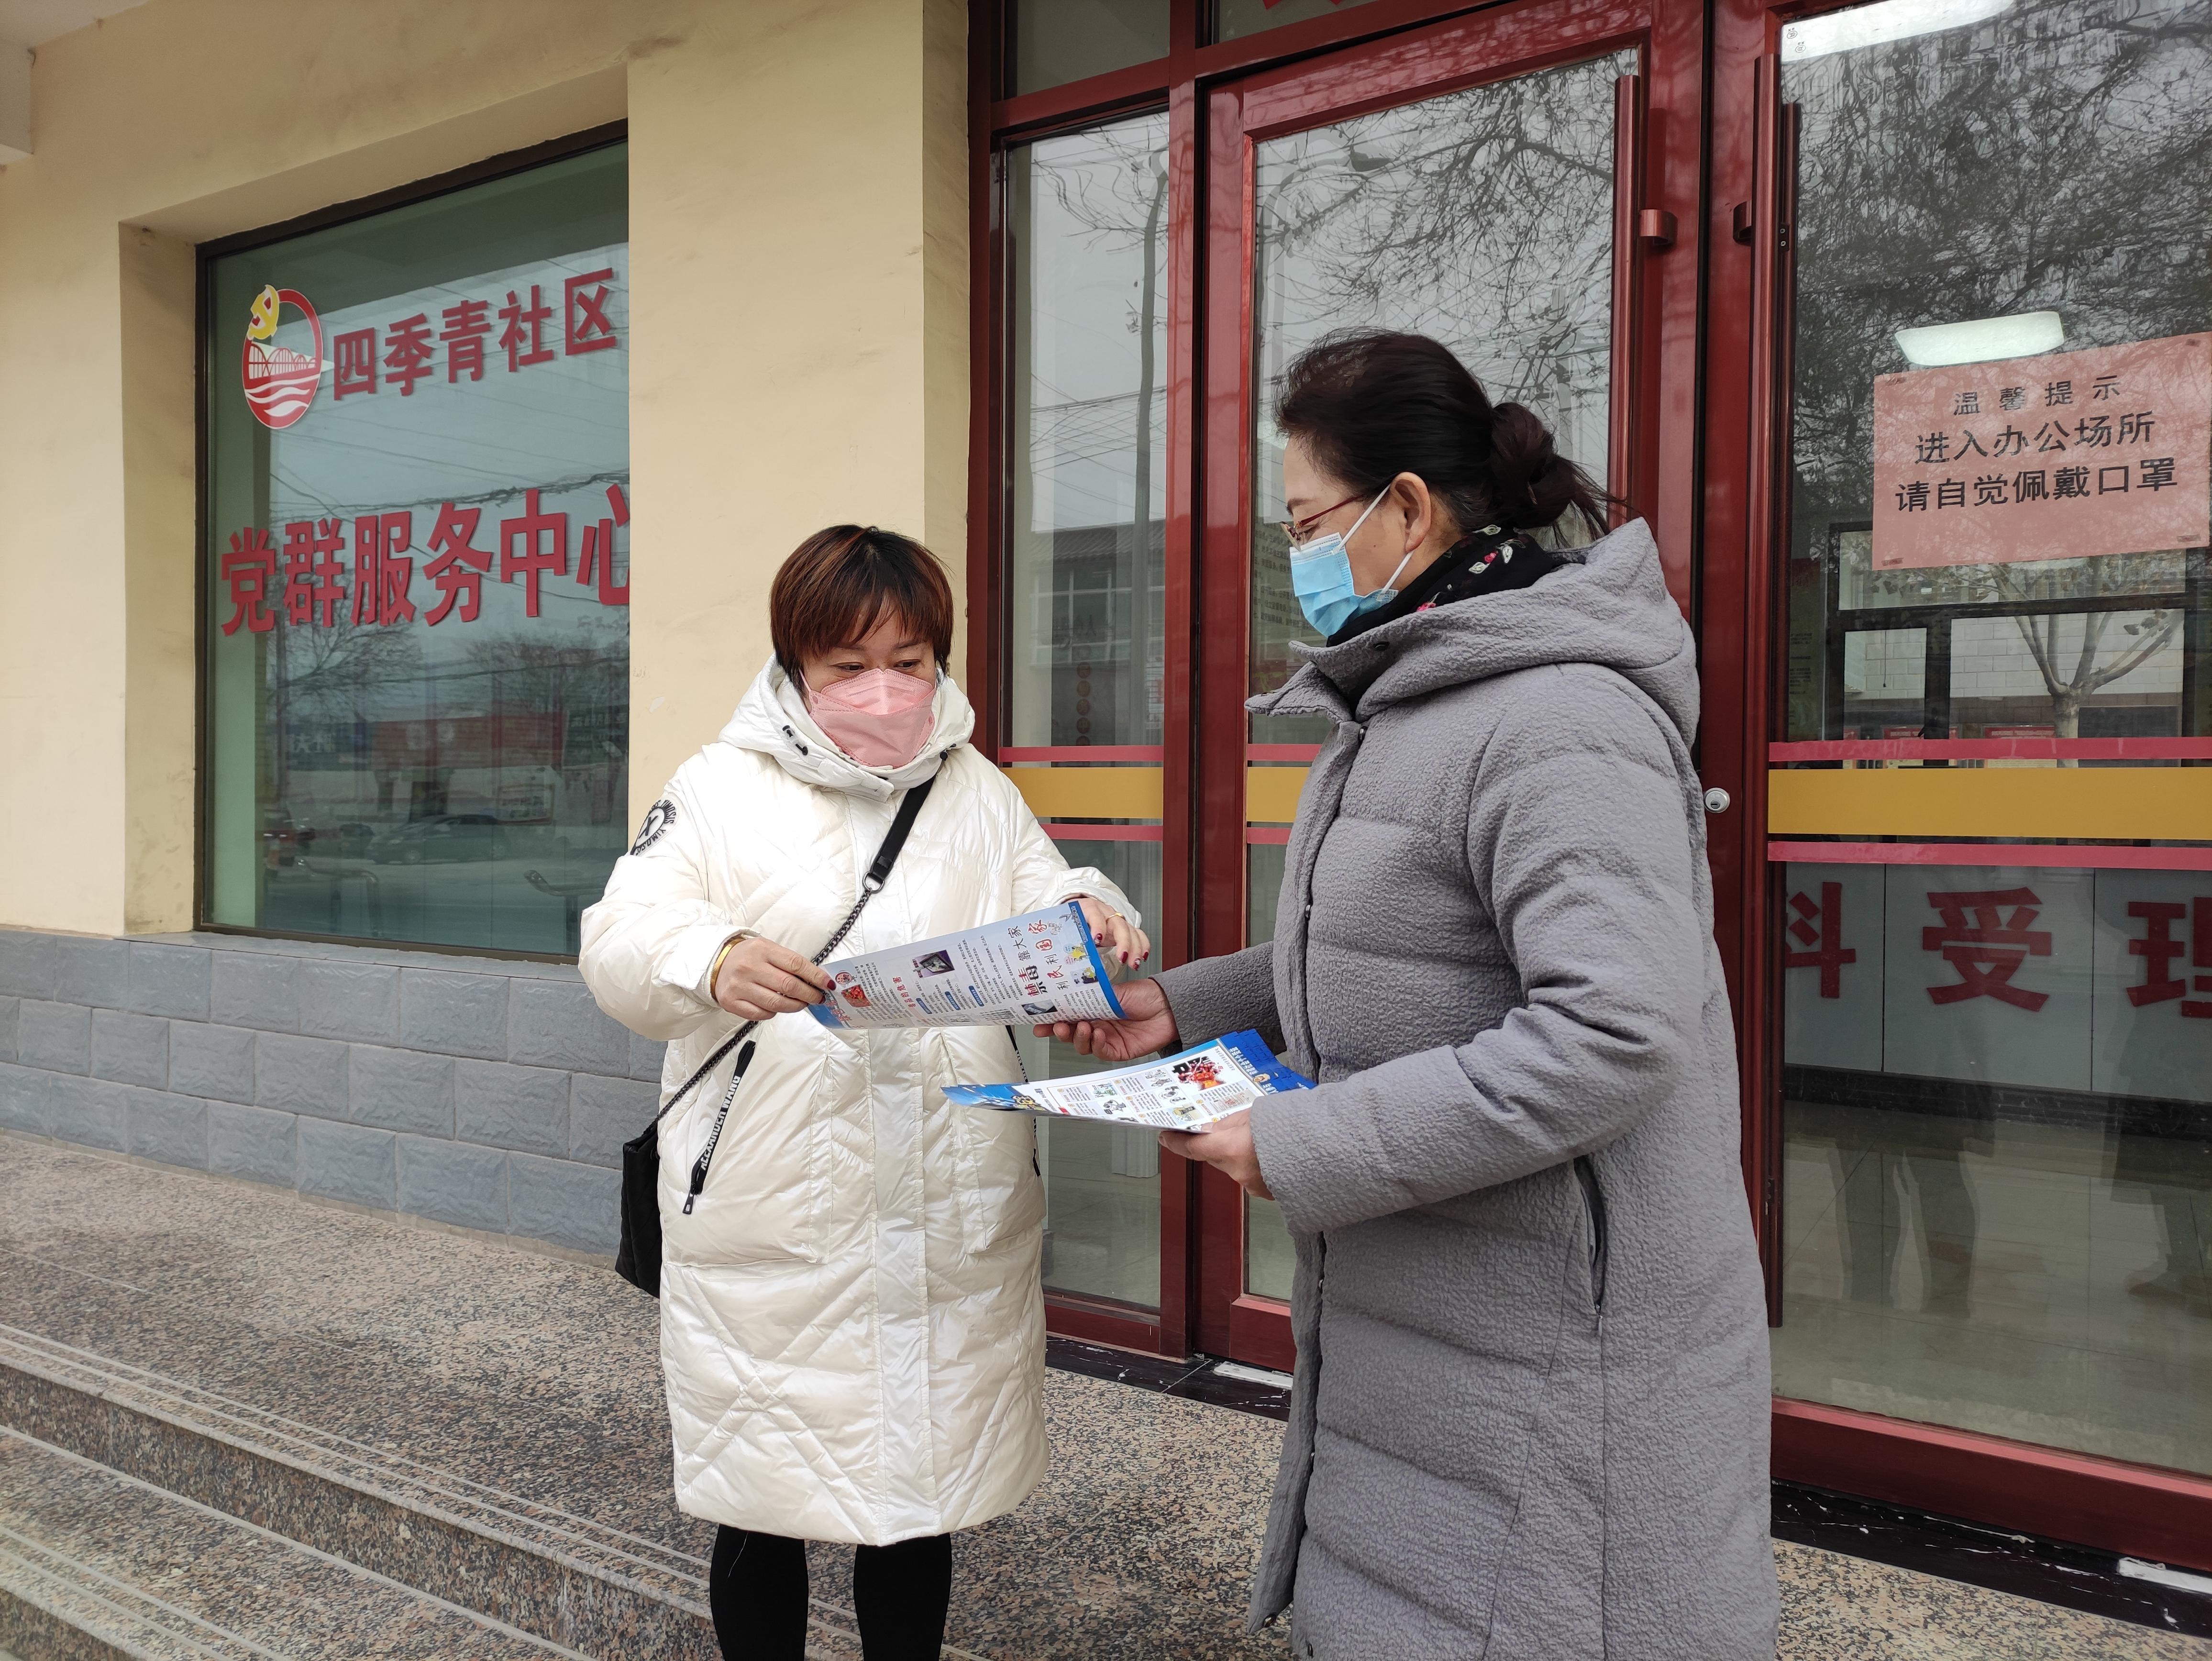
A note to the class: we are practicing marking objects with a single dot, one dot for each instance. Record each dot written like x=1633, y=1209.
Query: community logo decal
x=658, y=818
x=280, y=383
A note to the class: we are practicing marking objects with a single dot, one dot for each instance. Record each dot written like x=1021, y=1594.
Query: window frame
x=502, y=166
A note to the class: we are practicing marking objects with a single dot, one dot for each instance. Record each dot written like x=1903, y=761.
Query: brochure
x=1042, y=966
x=1185, y=1092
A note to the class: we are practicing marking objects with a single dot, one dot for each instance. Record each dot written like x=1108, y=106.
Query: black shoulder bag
x=638, y=1258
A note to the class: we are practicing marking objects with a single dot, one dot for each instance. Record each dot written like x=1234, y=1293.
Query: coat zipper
x=1593, y=1202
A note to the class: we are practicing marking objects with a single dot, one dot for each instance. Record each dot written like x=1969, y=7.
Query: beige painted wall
x=798, y=339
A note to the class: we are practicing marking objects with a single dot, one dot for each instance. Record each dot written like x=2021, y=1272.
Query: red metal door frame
x=999, y=116
x=1657, y=164
x=1709, y=443
x=1166, y=1331
x=1749, y=214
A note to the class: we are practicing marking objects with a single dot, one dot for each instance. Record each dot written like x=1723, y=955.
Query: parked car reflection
x=449, y=838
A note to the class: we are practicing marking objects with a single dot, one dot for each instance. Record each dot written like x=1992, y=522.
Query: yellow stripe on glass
x=1270, y=793
x=1089, y=793
x=2165, y=804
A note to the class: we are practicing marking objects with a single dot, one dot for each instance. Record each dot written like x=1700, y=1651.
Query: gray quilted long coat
x=1530, y=1416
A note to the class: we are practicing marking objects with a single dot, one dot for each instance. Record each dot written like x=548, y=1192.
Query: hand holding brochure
x=1185, y=1092
x=1042, y=966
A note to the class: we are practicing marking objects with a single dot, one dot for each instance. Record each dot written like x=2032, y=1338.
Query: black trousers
x=757, y=1589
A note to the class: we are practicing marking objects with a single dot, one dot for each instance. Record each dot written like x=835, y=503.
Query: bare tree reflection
x=1091, y=428
x=1483, y=218
x=2057, y=157
x=2070, y=684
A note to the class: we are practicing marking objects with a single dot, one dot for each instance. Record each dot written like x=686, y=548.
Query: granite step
x=577, y=1584
x=479, y=1424
x=489, y=1426
x=96, y=1565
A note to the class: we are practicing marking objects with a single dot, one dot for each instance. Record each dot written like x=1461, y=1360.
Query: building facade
x=399, y=448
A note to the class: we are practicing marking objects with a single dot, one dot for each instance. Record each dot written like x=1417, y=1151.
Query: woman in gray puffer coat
x=1530, y=1413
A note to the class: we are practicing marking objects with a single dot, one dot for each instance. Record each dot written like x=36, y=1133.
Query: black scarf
x=1491, y=560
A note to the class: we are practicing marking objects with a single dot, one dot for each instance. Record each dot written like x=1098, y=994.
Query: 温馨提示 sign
x=2056, y=457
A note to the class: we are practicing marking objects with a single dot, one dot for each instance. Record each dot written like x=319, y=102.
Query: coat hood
x=772, y=719
x=1607, y=605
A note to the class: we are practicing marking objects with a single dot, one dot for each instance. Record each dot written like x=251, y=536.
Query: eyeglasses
x=1296, y=530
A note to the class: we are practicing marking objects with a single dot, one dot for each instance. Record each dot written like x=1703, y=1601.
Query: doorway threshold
x=1196, y=1379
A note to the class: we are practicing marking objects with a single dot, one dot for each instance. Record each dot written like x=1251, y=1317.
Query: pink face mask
x=880, y=719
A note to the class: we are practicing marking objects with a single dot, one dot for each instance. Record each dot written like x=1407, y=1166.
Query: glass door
x=1992, y=836
x=1479, y=183
x=1084, y=248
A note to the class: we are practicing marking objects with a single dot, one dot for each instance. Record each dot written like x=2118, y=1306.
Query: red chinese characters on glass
x=1986, y=936
x=2160, y=950
x=466, y=325
x=353, y=358
x=1819, y=928
x=368, y=544
x=250, y=570
x=598, y=550
x=525, y=550
x=299, y=571
x=584, y=323
x=410, y=346
x=459, y=568
x=330, y=590
x=382, y=575
x=408, y=352
x=523, y=339
x=314, y=588
x=312, y=591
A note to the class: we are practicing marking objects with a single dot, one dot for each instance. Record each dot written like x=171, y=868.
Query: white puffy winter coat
x=852, y=1322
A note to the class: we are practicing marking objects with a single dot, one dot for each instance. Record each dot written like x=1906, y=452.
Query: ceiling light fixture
x=1982, y=341
x=1889, y=19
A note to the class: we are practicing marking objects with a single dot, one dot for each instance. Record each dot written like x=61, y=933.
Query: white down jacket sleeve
x=648, y=943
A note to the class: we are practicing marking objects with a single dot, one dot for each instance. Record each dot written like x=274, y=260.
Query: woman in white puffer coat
x=852, y=1317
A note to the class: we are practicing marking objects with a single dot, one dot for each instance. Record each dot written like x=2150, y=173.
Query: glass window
x=1997, y=1149
x=417, y=566
x=1087, y=242
x=1482, y=217
x=1056, y=41
x=1234, y=17
x=1086, y=267
x=2002, y=383
x=1102, y=1183
x=1270, y=1262
x=1998, y=1080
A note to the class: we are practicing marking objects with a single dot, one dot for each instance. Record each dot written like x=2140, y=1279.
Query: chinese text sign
x=2056, y=457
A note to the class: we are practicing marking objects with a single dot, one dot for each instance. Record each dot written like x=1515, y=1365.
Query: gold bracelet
x=715, y=974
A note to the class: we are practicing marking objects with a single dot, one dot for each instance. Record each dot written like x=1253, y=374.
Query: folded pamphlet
x=1184, y=1092
x=1042, y=966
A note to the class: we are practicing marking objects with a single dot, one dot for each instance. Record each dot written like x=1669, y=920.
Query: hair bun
x=1534, y=483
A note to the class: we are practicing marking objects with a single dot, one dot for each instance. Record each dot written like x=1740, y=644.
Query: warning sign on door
x=2107, y=451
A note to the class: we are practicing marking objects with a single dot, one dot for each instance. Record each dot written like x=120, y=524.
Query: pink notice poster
x=2107, y=451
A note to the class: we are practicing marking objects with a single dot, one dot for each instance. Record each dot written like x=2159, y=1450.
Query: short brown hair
x=839, y=583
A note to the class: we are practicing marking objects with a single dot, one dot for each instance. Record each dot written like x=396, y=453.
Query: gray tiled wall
x=490, y=1094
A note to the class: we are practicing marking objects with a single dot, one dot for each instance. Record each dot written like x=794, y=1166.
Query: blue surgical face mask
x=1320, y=576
